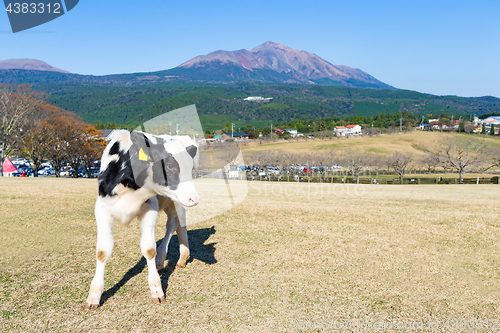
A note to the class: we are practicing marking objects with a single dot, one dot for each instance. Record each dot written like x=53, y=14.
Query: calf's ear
x=192, y=150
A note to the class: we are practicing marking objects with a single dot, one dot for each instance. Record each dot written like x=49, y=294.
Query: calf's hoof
x=159, y=300
x=89, y=307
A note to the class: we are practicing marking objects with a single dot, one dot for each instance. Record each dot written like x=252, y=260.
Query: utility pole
x=400, y=124
x=177, y=129
x=170, y=128
x=232, y=130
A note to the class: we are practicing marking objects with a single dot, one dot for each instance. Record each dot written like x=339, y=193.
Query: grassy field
x=288, y=255
x=386, y=144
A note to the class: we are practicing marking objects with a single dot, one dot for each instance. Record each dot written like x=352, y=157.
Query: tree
x=63, y=126
x=461, y=127
x=399, y=162
x=92, y=149
x=492, y=129
x=430, y=161
x=36, y=135
x=322, y=126
x=483, y=130
x=354, y=161
x=17, y=103
x=461, y=153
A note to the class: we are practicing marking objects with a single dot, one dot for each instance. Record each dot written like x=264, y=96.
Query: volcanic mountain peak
x=28, y=64
x=299, y=66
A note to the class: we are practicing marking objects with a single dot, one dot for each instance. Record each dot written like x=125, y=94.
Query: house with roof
x=347, y=130
x=107, y=134
x=340, y=130
x=293, y=132
x=237, y=135
x=354, y=129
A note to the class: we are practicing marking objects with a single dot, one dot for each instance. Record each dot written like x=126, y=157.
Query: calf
x=142, y=174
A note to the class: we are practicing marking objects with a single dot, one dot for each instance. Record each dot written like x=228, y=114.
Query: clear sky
x=437, y=47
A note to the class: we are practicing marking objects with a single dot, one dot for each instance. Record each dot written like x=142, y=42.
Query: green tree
x=461, y=127
x=293, y=125
x=322, y=126
x=483, y=131
x=492, y=129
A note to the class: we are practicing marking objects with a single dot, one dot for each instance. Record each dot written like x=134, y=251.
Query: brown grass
x=384, y=144
x=304, y=252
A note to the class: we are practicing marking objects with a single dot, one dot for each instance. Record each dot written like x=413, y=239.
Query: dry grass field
x=288, y=255
x=385, y=144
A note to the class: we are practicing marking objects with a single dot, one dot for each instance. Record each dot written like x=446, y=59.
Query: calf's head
x=165, y=165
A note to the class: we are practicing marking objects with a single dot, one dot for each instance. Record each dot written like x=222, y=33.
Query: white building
x=293, y=132
x=257, y=99
x=347, y=130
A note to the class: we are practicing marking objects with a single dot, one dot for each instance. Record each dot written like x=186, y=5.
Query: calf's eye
x=170, y=167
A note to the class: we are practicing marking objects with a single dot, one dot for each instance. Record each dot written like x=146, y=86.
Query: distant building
x=237, y=135
x=293, y=132
x=347, y=130
x=107, y=134
x=257, y=99
x=492, y=121
x=354, y=129
x=340, y=130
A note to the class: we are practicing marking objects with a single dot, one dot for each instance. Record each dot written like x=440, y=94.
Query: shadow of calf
x=198, y=250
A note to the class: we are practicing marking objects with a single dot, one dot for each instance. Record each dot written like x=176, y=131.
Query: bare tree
x=16, y=104
x=430, y=161
x=354, y=161
x=399, y=162
x=462, y=153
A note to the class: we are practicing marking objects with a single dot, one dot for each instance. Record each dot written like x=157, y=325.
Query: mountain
x=274, y=62
x=267, y=63
x=28, y=64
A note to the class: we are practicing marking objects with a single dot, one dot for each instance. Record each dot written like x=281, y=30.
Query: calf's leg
x=182, y=235
x=104, y=248
x=148, y=215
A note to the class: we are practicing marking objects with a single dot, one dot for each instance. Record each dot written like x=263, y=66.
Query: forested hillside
x=219, y=104
x=129, y=99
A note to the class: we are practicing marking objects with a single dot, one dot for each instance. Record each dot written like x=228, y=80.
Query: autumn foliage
x=40, y=131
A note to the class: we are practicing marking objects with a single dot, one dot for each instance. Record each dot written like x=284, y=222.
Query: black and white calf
x=142, y=174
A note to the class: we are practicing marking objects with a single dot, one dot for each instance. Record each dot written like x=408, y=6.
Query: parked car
x=47, y=171
x=66, y=172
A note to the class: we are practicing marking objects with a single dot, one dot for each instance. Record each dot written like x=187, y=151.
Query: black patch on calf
x=118, y=172
x=115, y=148
x=165, y=168
x=192, y=150
x=166, y=172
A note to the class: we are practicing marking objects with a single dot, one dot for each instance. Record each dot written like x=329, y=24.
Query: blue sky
x=437, y=47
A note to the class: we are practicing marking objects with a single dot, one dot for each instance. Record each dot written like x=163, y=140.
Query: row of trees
x=38, y=131
x=459, y=154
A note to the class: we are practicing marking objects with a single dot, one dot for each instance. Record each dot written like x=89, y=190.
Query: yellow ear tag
x=142, y=155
